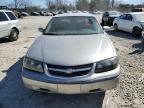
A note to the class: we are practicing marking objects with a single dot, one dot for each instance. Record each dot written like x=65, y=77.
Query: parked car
x=24, y=14
x=54, y=13
x=50, y=14
x=138, y=10
x=35, y=14
x=60, y=12
x=85, y=12
x=9, y=25
x=108, y=17
x=43, y=13
x=74, y=55
x=130, y=22
x=98, y=12
x=18, y=14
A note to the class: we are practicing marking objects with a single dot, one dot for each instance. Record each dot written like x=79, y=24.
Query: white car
x=9, y=25
x=130, y=22
x=72, y=56
x=49, y=14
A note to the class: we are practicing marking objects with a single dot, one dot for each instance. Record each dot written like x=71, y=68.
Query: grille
x=69, y=71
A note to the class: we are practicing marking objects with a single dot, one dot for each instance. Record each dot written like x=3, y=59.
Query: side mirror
x=41, y=29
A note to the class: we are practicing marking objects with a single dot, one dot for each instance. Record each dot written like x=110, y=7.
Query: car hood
x=142, y=21
x=71, y=50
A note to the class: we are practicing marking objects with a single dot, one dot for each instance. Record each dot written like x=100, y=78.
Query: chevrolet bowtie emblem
x=69, y=71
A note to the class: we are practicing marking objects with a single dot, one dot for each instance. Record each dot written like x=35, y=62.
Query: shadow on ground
x=14, y=95
x=139, y=48
x=122, y=34
x=4, y=40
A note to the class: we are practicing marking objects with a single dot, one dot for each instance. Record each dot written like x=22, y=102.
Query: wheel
x=136, y=32
x=115, y=27
x=13, y=35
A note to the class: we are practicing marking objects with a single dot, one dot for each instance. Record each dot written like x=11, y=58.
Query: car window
x=106, y=14
x=129, y=17
x=73, y=25
x=123, y=17
x=11, y=15
x=3, y=17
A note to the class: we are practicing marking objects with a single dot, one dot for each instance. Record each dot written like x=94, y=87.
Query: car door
x=4, y=26
x=129, y=23
x=121, y=22
x=12, y=17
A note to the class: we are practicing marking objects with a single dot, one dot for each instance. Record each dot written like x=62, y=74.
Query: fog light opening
x=96, y=90
x=44, y=90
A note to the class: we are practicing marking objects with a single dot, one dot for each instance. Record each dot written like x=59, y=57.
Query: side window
x=11, y=15
x=3, y=17
x=129, y=17
x=123, y=17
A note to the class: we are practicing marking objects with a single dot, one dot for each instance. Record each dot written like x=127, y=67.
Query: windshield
x=139, y=17
x=73, y=25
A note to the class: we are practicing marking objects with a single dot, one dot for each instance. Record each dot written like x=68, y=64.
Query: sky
x=42, y=3
x=133, y=1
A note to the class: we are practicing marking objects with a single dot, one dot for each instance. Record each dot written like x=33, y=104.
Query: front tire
x=13, y=35
x=115, y=27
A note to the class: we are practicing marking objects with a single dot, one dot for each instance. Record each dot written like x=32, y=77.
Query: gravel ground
x=129, y=93
x=131, y=54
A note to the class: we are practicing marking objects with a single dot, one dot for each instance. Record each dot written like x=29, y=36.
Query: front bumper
x=42, y=82
x=70, y=88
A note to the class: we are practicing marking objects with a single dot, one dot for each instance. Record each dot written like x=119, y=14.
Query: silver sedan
x=73, y=55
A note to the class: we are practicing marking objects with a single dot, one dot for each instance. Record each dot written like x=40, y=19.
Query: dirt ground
x=129, y=93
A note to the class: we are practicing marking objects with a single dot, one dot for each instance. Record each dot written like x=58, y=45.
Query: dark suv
x=108, y=17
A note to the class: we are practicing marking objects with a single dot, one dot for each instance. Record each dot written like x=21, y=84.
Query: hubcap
x=15, y=35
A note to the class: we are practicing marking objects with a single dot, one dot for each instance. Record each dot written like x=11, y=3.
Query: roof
x=74, y=14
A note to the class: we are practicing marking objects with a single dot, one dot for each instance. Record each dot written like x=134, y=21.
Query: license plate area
x=69, y=89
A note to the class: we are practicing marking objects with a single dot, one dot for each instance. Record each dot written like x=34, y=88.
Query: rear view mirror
x=41, y=29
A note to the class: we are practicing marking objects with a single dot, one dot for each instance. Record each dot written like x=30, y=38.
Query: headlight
x=106, y=65
x=33, y=65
